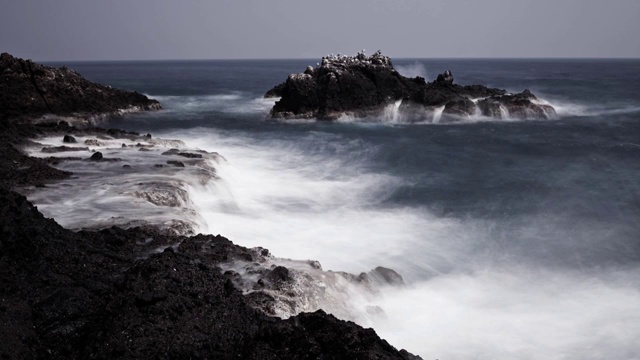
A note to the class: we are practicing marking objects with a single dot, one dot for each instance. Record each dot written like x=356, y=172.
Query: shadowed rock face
x=110, y=294
x=362, y=86
x=30, y=89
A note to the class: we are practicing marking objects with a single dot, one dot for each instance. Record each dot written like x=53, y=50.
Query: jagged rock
x=460, y=108
x=28, y=89
x=276, y=92
x=445, y=78
x=182, y=153
x=162, y=194
x=101, y=295
x=362, y=86
x=386, y=276
x=521, y=106
x=69, y=139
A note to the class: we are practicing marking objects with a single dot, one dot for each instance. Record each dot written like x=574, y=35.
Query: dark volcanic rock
x=521, y=106
x=96, y=156
x=362, y=86
x=459, y=108
x=92, y=295
x=275, y=92
x=63, y=148
x=175, y=163
x=30, y=89
x=183, y=154
x=69, y=139
x=446, y=78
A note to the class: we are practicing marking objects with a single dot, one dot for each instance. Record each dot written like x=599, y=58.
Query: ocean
x=517, y=239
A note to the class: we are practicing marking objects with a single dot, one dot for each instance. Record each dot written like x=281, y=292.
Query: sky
x=67, y=30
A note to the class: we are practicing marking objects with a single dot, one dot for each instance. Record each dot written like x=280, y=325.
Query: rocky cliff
x=31, y=90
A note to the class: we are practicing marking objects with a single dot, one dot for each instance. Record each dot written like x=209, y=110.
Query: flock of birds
x=361, y=58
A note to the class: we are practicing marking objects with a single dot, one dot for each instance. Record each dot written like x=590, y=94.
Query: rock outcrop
x=31, y=90
x=363, y=86
x=113, y=294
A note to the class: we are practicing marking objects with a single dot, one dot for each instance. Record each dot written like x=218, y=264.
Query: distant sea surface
x=518, y=239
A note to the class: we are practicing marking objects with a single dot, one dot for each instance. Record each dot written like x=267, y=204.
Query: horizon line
x=315, y=59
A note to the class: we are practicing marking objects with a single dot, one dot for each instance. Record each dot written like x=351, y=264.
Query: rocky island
x=138, y=292
x=362, y=86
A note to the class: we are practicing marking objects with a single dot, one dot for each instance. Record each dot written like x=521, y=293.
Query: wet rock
x=386, y=276
x=183, y=154
x=460, y=108
x=69, y=139
x=175, y=163
x=94, y=142
x=521, y=106
x=144, y=149
x=97, y=156
x=445, y=78
x=162, y=194
x=63, y=148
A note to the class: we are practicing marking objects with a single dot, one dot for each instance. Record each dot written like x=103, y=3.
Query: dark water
x=478, y=213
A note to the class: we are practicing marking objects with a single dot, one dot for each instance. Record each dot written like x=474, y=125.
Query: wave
x=412, y=70
x=245, y=104
x=235, y=102
x=470, y=292
x=314, y=196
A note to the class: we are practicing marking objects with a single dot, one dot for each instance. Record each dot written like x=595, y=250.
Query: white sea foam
x=235, y=102
x=103, y=193
x=470, y=295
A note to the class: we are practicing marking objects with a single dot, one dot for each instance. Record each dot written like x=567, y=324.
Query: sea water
x=517, y=239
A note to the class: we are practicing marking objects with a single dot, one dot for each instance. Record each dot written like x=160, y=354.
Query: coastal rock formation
x=142, y=294
x=363, y=86
x=28, y=89
x=285, y=288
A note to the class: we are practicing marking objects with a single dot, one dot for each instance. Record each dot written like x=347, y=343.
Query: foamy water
x=469, y=295
x=517, y=239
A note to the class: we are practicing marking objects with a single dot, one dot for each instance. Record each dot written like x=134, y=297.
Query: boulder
x=445, y=78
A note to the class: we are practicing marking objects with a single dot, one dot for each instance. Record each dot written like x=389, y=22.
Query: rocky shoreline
x=362, y=86
x=141, y=292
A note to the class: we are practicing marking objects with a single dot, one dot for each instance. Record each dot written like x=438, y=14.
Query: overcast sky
x=218, y=29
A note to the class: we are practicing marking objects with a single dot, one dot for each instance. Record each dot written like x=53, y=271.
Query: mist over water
x=412, y=70
x=517, y=239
